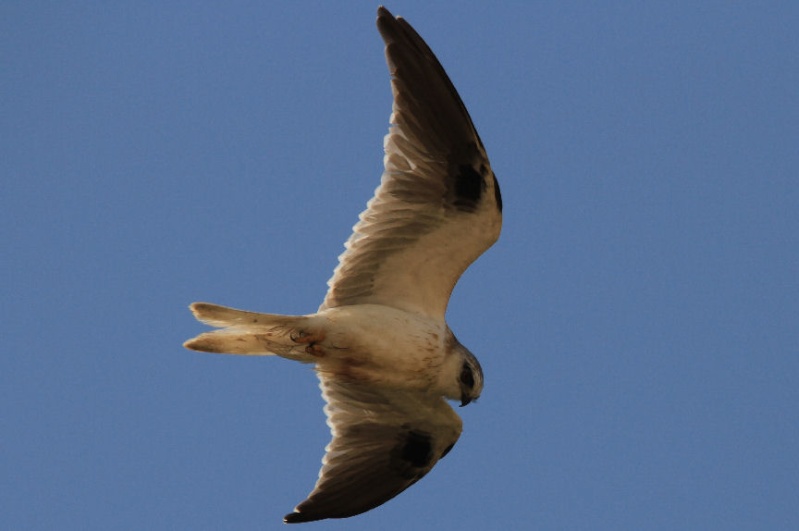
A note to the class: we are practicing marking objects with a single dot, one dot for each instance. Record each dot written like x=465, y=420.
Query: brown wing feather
x=383, y=442
x=438, y=206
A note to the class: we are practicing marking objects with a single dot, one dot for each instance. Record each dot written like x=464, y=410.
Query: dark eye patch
x=467, y=378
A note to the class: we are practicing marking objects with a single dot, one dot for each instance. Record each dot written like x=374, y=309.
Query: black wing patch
x=469, y=187
x=417, y=449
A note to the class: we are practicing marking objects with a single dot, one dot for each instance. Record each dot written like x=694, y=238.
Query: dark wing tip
x=296, y=518
x=382, y=12
x=428, y=93
x=394, y=29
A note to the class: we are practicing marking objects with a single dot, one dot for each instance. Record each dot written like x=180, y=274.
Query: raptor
x=385, y=357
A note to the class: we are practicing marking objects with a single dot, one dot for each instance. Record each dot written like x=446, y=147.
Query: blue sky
x=638, y=321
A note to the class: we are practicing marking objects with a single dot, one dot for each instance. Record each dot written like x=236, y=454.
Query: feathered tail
x=249, y=333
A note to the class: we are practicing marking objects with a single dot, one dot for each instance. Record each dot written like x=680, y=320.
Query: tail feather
x=219, y=316
x=251, y=333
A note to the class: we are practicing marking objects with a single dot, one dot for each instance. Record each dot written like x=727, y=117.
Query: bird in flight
x=386, y=359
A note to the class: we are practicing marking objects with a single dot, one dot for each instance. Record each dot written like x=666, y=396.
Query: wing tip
x=386, y=22
x=383, y=12
x=297, y=518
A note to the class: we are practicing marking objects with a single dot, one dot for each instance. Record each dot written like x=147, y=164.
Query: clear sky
x=637, y=322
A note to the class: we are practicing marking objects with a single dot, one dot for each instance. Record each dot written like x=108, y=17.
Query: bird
x=386, y=359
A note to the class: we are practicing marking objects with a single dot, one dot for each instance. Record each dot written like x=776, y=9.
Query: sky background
x=637, y=322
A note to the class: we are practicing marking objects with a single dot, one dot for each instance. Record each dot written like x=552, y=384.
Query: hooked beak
x=465, y=399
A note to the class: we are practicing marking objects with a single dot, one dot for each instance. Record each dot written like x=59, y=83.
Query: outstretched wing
x=438, y=206
x=384, y=441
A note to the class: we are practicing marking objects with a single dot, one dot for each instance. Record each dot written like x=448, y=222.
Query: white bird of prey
x=384, y=355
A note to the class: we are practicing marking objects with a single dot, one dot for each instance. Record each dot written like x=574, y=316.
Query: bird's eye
x=467, y=378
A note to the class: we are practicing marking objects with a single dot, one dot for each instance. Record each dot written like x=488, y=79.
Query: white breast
x=380, y=343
